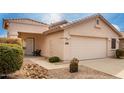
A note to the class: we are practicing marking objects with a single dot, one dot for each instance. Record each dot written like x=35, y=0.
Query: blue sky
x=117, y=19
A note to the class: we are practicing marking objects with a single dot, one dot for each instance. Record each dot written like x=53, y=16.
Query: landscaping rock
x=34, y=71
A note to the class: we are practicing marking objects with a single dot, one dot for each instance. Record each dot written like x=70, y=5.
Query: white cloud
x=116, y=26
x=52, y=17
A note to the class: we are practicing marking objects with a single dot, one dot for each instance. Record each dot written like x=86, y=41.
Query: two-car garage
x=88, y=47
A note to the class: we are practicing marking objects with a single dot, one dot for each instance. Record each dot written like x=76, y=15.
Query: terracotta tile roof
x=21, y=19
x=71, y=24
x=58, y=23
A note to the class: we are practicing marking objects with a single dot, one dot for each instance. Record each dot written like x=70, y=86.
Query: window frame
x=113, y=43
x=97, y=21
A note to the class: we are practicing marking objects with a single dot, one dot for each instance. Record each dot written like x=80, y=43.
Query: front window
x=97, y=21
x=113, y=43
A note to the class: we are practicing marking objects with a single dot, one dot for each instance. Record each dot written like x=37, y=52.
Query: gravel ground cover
x=34, y=71
x=83, y=73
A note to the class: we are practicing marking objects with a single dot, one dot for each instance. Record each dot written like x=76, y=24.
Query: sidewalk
x=44, y=63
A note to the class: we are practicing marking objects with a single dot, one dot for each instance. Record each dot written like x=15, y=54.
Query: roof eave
x=112, y=27
x=53, y=30
x=10, y=20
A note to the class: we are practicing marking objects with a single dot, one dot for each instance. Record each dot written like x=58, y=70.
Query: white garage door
x=88, y=48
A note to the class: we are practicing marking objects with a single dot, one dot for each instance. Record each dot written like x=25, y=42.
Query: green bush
x=11, y=41
x=54, y=59
x=74, y=65
x=11, y=58
x=119, y=53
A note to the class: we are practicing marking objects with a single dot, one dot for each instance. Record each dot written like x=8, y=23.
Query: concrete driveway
x=111, y=66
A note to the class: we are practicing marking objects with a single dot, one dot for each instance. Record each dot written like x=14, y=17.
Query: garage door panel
x=88, y=48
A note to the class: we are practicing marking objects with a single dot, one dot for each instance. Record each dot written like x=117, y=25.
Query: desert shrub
x=74, y=65
x=11, y=41
x=11, y=58
x=119, y=53
x=54, y=59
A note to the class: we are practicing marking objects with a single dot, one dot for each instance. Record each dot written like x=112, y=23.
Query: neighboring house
x=122, y=40
x=89, y=38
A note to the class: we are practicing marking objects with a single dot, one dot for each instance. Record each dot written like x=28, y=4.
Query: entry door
x=29, y=46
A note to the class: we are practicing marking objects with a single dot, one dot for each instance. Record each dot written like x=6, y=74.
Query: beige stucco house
x=89, y=38
x=121, y=44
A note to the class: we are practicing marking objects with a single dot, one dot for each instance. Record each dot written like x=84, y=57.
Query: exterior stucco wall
x=89, y=29
x=14, y=28
x=53, y=45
